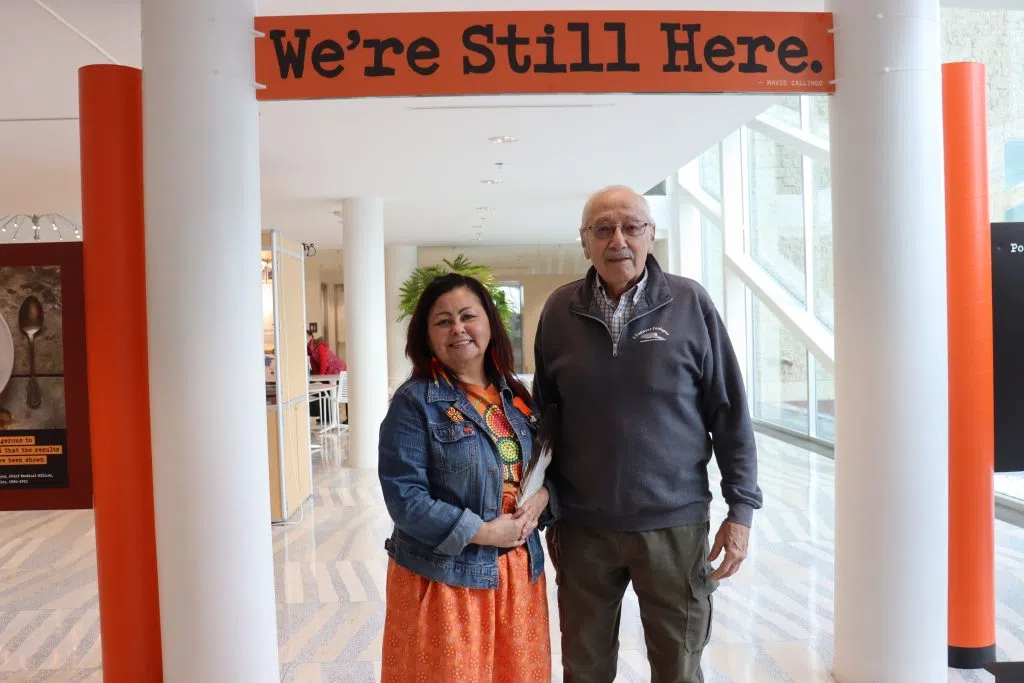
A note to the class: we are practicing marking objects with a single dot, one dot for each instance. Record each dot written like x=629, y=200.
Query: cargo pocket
x=700, y=608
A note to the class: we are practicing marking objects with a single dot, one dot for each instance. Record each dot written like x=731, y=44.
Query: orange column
x=110, y=110
x=971, y=421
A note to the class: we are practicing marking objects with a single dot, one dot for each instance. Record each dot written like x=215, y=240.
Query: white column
x=891, y=349
x=399, y=263
x=212, y=501
x=366, y=326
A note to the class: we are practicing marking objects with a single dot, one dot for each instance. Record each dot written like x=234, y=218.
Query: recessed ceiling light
x=492, y=181
x=503, y=139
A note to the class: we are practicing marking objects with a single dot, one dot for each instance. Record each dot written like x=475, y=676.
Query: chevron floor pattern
x=773, y=621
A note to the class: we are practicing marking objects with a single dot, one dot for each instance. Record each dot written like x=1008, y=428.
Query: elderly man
x=647, y=384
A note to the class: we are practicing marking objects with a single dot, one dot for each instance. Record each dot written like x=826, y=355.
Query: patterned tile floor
x=773, y=621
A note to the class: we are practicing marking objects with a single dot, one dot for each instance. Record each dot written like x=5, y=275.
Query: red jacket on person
x=322, y=360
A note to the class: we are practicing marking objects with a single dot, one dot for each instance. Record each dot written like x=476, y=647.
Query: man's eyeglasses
x=604, y=231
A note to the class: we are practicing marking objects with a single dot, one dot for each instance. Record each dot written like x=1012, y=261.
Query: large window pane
x=994, y=37
x=514, y=298
x=824, y=304
x=780, y=372
x=825, y=388
x=788, y=112
x=777, y=212
x=1014, y=161
x=711, y=262
x=710, y=165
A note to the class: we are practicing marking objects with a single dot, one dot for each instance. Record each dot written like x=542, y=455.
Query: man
x=645, y=377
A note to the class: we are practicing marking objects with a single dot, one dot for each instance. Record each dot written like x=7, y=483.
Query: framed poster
x=44, y=416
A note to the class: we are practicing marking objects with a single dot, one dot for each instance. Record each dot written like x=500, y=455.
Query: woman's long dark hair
x=499, y=359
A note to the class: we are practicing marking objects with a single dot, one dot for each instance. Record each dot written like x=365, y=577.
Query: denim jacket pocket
x=454, y=447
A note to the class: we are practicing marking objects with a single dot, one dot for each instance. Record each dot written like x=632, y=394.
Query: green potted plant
x=421, y=277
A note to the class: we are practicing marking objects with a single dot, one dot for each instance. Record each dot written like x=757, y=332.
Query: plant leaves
x=413, y=287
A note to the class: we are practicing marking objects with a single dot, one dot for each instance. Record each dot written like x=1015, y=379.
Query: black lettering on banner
x=583, y=28
x=719, y=47
x=620, y=64
x=379, y=47
x=288, y=58
x=327, y=52
x=512, y=40
x=549, y=65
x=751, y=66
x=674, y=47
x=422, y=49
x=486, y=32
x=795, y=48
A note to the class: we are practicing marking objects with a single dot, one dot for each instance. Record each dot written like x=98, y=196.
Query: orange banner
x=489, y=53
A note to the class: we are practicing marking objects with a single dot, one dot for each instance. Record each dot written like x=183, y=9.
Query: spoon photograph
x=30, y=320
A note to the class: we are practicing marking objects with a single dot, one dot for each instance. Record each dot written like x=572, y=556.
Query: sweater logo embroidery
x=652, y=334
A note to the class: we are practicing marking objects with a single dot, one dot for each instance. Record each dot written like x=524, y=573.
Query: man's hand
x=532, y=509
x=732, y=538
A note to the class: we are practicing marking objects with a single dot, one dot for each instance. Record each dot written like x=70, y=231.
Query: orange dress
x=437, y=633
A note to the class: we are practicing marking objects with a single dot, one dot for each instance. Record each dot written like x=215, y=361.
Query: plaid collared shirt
x=617, y=315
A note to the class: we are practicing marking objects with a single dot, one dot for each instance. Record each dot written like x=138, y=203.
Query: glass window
x=514, y=299
x=779, y=373
x=777, y=212
x=1010, y=484
x=825, y=389
x=787, y=112
x=819, y=115
x=710, y=165
x=821, y=185
x=711, y=262
x=1014, y=160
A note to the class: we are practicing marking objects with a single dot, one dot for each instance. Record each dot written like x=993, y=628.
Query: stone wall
x=995, y=38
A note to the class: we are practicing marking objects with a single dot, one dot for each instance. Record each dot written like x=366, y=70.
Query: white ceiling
x=424, y=156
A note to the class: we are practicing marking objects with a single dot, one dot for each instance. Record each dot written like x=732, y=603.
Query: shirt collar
x=637, y=289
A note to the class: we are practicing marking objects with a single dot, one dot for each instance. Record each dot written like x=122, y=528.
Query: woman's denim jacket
x=442, y=479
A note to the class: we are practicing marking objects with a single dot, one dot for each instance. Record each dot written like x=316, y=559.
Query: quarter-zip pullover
x=642, y=415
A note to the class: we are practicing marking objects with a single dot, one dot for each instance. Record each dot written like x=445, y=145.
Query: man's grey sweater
x=638, y=425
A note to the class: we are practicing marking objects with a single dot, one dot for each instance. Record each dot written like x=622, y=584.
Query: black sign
x=1008, y=344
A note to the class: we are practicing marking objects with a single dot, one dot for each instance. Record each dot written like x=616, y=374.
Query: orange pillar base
x=110, y=106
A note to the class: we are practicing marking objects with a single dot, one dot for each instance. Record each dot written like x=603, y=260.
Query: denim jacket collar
x=441, y=389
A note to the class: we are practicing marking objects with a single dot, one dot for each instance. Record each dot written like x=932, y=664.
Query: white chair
x=342, y=399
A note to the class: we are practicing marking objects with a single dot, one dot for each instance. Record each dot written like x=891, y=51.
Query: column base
x=971, y=657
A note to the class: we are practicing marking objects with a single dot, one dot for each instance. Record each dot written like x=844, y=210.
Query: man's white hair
x=609, y=189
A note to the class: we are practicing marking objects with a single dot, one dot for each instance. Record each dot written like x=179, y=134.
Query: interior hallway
x=773, y=621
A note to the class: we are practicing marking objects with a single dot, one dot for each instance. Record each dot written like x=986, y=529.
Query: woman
x=322, y=360
x=466, y=597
